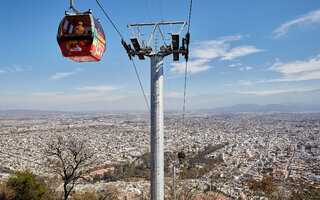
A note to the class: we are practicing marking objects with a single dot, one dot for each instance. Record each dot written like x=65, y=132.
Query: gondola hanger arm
x=73, y=8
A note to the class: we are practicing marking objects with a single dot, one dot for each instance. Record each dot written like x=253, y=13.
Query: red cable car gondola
x=81, y=37
x=181, y=155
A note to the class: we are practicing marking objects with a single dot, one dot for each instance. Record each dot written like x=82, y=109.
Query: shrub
x=24, y=185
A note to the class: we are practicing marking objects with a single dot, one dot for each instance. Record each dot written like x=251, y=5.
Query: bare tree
x=68, y=156
x=265, y=188
x=184, y=190
x=187, y=191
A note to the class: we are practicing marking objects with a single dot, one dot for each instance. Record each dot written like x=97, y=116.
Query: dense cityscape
x=284, y=145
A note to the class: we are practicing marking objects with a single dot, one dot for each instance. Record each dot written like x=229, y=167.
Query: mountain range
x=264, y=108
x=298, y=101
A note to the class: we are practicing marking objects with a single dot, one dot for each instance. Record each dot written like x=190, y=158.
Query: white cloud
x=45, y=94
x=199, y=65
x=211, y=49
x=18, y=69
x=87, y=101
x=15, y=69
x=297, y=66
x=203, y=52
x=60, y=75
x=303, y=77
x=230, y=38
x=61, y=98
x=83, y=97
x=99, y=88
x=297, y=70
x=240, y=51
x=307, y=19
x=220, y=48
x=270, y=92
x=267, y=92
x=235, y=65
x=245, y=82
x=248, y=68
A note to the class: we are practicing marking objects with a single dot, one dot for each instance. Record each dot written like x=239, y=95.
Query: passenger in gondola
x=78, y=30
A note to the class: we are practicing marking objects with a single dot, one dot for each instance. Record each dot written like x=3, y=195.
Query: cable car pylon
x=156, y=114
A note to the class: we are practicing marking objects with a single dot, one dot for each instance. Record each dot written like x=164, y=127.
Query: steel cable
x=109, y=18
x=186, y=71
x=145, y=98
x=134, y=65
x=190, y=10
x=184, y=93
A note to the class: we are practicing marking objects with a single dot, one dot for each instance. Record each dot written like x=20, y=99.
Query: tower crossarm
x=142, y=49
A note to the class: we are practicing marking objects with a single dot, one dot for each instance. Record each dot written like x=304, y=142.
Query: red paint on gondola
x=181, y=155
x=82, y=50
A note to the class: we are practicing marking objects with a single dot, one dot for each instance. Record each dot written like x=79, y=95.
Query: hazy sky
x=238, y=47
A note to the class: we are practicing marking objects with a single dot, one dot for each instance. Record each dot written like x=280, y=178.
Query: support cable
x=145, y=98
x=190, y=10
x=160, y=7
x=109, y=19
x=148, y=10
x=186, y=67
x=126, y=47
x=184, y=93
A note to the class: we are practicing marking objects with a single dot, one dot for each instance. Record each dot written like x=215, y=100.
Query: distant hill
x=237, y=108
x=264, y=108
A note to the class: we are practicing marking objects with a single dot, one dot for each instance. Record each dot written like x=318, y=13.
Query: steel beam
x=156, y=138
x=158, y=23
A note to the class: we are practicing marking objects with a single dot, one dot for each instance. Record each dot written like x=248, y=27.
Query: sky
x=241, y=51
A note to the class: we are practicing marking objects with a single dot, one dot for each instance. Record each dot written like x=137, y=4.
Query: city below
x=286, y=145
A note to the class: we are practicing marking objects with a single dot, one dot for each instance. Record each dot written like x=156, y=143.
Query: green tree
x=26, y=186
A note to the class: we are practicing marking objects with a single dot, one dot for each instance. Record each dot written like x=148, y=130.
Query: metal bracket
x=75, y=10
x=165, y=49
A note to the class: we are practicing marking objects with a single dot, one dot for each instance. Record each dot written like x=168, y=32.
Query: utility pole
x=156, y=115
x=174, y=162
